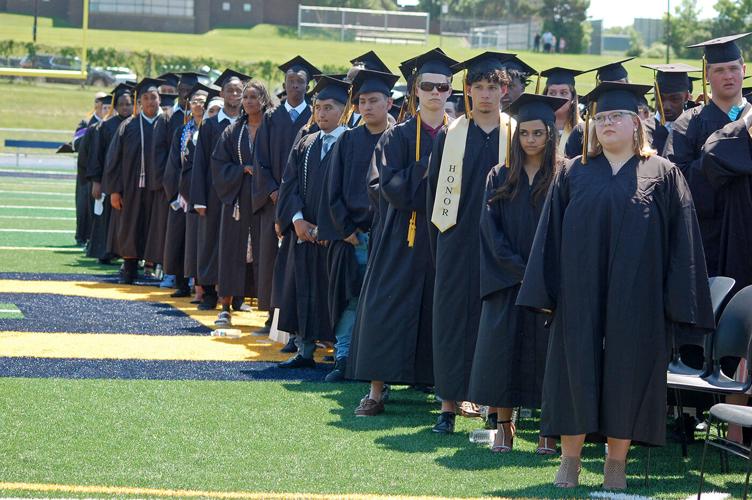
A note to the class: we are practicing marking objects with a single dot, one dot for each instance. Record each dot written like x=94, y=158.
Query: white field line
x=27, y=207
x=29, y=217
x=41, y=193
x=57, y=231
x=43, y=249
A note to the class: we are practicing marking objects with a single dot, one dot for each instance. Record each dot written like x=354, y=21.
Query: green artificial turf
x=10, y=311
x=285, y=437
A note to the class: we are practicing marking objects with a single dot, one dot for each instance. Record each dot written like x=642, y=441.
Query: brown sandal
x=504, y=439
x=546, y=446
x=568, y=475
x=615, y=474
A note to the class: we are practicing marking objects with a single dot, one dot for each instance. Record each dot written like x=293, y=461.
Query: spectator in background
x=536, y=42
x=553, y=44
x=548, y=40
x=562, y=45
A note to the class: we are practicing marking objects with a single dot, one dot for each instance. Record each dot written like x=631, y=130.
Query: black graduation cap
x=170, y=79
x=561, y=76
x=329, y=87
x=371, y=61
x=484, y=63
x=433, y=61
x=121, y=88
x=529, y=107
x=671, y=78
x=298, y=63
x=228, y=75
x=721, y=50
x=167, y=99
x=106, y=99
x=65, y=148
x=211, y=90
x=517, y=64
x=396, y=108
x=191, y=78
x=614, y=96
x=373, y=81
x=148, y=85
x=611, y=72
x=691, y=81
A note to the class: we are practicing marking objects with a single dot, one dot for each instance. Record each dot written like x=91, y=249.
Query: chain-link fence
x=362, y=25
x=509, y=34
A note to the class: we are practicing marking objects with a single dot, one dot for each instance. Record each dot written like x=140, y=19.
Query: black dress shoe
x=290, y=347
x=338, y=374
x=445, y=424
x=298, y=362
x=264, y=330
x=209, y=303
x=181, y=293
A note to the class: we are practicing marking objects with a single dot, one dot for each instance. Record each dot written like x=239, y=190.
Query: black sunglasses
x=429, y=86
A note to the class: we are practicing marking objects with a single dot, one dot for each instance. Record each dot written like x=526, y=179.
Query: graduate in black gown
x=618, y=263
x=392, y=336
x=298, y=216
x=99, y=246
x=727, y=164
x=232, y=171
x=673, y=88
x=463, y=154
x=345, y=214
x=519, y=73
x=276, y=135
x=181, y=152
x=611, y=72
x=126, y=176
x=725, y=73
x=203, y=196
x=560, y=82
x=510, y=354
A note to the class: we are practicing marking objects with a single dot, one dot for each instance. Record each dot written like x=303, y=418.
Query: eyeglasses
x=615, y=117
x=429, y=86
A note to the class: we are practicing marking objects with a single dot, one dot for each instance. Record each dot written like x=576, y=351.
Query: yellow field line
x=159, y=492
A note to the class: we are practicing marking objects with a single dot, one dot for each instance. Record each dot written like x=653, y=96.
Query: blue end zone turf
x=70, y=314
x=154, y=370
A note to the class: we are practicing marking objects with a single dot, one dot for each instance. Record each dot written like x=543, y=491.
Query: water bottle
x=483, y=436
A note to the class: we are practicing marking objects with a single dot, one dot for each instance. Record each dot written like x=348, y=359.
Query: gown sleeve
x=727, y=156
x=94, y=166
x=264, y=181
x=171, y=179
x=686, y=289
x=402, y=179
x=540, y=284
x=341, y=220
x=501, y=266
x=227, y=173
x=160, y=150
x=201, y=164
x=112, y=178
x=290, y=201
x=573, y=146
x=434, y=164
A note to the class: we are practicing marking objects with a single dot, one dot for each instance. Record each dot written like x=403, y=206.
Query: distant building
x=651, y=30
x=182, y=16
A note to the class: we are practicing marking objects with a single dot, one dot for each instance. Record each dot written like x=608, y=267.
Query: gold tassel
x=586, y=134
x=705, y=80
x=413, y=224
x=537, y=84
x=659, y=101
x=468, y=113
x=135, y=102
x=347, y=113
x=509, y=141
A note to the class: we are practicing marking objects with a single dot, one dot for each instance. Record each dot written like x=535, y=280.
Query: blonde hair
x=641, y=147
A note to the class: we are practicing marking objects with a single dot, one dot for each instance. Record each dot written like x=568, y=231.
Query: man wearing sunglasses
x=392, y=335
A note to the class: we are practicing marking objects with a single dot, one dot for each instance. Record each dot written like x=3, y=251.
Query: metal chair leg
x=682, y=432
x=704, y=451
x=749, y=469
x=647, y=469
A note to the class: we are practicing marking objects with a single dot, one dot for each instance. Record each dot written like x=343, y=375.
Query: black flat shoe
x=264, y=330
x=290, y=347
x=338, y=374
x=445, y=424
x=298, y=362
x=180, y=293
x=209, y=303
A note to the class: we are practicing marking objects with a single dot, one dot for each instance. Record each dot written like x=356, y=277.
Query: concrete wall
x=284, y=12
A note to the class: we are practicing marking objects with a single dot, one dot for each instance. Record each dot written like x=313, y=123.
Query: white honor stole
x=447, y=201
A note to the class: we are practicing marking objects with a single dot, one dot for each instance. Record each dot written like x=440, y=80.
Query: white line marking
x=44, y=249
x=5, y=311
x=32, y=170
x=73, y=209
x=44, y=193
x=28, y=217
x=40, y=131
x=59, y=231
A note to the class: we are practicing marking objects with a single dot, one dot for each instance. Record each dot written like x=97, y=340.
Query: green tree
x=686, y=29
x=565, y=18
x=734, y=16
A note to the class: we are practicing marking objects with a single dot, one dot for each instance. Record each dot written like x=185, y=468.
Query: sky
x=622, y=13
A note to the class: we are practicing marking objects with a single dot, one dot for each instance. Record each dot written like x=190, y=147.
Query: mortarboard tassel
x=347, y=113
x=509, y=141
x=586, y=134
x=537, y=84
x=413, y=224
x=659, y=101
x=135, y=102
x=468, y=113
x=705, y=80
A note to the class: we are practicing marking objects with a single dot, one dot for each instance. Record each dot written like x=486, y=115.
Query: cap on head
x=672, y=78
x=612, y=72
x=529, y=107
x=328, y=87
x=433, y=61
x=371, y=61
x=210, y=91
x=367, y=81
x=561, y=76
x=228, y=75
x=191, y=78
x=516, y=64
x=617, y=96
x=721, y=50
x=148, y=85
x=170, y=79
x=486, y=62
x=298, y=64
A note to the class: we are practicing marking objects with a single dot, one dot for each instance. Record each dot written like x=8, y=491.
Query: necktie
x=326, y=146
x=294, y=115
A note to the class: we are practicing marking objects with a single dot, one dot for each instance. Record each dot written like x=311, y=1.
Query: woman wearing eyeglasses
x=617, y=261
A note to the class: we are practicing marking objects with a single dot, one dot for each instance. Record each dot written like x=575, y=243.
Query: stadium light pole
x=36, y=14
x=668, y=31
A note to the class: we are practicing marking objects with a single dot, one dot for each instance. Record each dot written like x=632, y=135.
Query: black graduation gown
x=345, y=207
x=190, y=257
x=173, y=260
x=392, y=336
x=656, y=134
x=98, y=246
x=510, y=354
x=727, y=164
x=160, y=205
x=203, y=193
x=276, y=135
x=84, y=202
x=306, y=291
x=456, y=299
x=574, y=142
x=618, y=260
x=121, y=175
x=688, y=135
x=233, y=186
